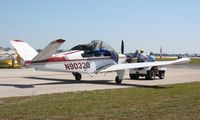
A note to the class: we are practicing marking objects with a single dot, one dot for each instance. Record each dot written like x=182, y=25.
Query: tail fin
x=49, y=50
x=24, y=50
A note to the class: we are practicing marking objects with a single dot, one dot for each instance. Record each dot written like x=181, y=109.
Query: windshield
x=97, y=48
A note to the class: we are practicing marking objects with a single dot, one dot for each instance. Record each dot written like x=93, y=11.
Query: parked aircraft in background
x=95, y=57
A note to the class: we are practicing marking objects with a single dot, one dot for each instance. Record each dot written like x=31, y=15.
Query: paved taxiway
x=27, y=82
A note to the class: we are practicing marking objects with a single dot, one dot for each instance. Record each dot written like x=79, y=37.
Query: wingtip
x=60, y=40
x=17, y=41
x=183, y=60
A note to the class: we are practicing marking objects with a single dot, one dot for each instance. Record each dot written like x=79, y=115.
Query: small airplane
x=95, y=57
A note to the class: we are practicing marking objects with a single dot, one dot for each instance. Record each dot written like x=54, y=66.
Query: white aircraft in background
x=96, y=57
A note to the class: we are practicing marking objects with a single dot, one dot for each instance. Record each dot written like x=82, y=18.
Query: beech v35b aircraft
x=95, y=57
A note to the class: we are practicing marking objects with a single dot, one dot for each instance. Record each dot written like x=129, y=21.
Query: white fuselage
x=72, y=61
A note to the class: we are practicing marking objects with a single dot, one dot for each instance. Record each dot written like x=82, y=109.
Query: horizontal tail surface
x=49, y=50
x=29, y=54
x=24, y=50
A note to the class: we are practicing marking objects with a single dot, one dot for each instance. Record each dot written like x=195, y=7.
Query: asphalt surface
x=28, y=82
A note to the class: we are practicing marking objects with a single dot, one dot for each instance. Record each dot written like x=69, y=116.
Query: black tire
x=150, y=75
x=161, y=74
x=134, y=76
x=117, y=80
x=77, y=76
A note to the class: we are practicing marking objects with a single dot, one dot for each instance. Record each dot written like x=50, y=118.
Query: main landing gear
x=118, y=78
x=77, y=76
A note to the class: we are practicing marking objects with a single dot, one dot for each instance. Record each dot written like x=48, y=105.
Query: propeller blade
x=122, y=47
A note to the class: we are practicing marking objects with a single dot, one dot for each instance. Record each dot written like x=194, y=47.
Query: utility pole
x=161, y=52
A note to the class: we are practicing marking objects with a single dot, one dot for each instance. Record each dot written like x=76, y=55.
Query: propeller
x=122, y=47
x=129, y=56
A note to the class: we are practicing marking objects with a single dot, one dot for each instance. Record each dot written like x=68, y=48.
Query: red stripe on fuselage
x=55, y=58
x=51, y=59
x=62, y=59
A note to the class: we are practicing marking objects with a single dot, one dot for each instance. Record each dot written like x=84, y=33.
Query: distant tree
x=7, y=49
x=61, y=50
x=186, y=54
x=58, y=51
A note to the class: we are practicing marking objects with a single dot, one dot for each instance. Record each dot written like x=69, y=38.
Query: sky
x=142, y=24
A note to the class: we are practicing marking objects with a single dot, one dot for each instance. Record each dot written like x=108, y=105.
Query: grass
x=4, y=66
x=165, y=59
x=193, y=60
x=181, y=101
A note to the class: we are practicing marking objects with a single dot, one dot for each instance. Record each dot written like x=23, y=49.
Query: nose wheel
x=117, y=80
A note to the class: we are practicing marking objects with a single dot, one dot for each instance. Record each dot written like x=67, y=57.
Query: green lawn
x=181, y=101
x=4, y=66
x=195, y=61
x=165, y=59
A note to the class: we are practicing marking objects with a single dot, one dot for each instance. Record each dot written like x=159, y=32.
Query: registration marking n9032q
x=79, y=65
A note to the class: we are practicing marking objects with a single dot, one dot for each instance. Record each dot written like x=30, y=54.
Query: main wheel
x=77, y=76
x=134, y=76
x=150, y=75
x=161, y=74
x=117, y=80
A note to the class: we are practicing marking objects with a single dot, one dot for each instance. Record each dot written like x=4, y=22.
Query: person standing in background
x=151, y=57
x=141, y=56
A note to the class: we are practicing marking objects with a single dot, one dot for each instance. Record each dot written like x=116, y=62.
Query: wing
x=126, y=66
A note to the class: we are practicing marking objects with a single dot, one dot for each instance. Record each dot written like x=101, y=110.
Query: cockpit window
x=97, y=48
x=96, y=53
